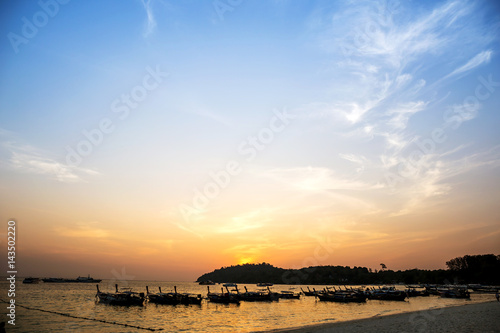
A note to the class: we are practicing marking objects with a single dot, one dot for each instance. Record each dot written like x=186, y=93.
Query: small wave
x=381, y=313
x=327, y=320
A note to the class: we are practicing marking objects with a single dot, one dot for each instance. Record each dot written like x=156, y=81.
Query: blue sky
x=391, y=146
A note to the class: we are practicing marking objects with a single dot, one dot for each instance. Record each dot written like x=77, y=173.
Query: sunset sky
x=164, y=139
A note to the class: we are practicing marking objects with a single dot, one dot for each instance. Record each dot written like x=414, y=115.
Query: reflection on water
x=79, y=300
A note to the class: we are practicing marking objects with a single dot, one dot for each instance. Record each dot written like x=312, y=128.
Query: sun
x=245, y=260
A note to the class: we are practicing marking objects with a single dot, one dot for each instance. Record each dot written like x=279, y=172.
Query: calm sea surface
x=78, y=299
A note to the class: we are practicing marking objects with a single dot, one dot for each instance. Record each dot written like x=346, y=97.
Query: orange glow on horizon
x=245, y=260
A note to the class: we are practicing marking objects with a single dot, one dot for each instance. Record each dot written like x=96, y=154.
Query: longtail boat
x=412, y=292
x=309, y=292
x=288, y=295
x=256, y=296
x=125, y=297
x=387, y=294
x=173, y=298
x=342, y=296
x=224, y=298
x=163, y=298
x=455, y=293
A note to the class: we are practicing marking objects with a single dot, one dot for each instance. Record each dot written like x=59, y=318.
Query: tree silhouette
x=484, y=269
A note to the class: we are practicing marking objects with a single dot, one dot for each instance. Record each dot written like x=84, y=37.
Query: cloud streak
x=31, y=160
x=479, y=59
x=389, y=66
x=150, y=24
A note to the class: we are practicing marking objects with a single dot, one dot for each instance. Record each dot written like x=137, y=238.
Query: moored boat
x=415, y=286
x=256, y=296
x=224, y=298
x=455, y=293
x=288, y=295
x=125, y=297
x=173, y=298
x=413, y=292
x=432, y=289
x=478, y=288
x=342, y=296
x=386, y=294
x=163, y=298
x=309, y=292
x=188, y=298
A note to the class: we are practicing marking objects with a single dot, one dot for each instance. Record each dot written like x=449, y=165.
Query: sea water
x=78, y=299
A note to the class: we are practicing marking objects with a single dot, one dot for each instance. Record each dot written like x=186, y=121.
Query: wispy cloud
x=319, y=191
x=32, y=163
x=399, y=116
x=29, y=159
x=389, y=67
x=246, y=222
x=87, y=230
x=435, y=175
x=457, y=114
x=360, y=160
x=150, y=24
x=316, y=179
x=479, y=59
x=382, y=55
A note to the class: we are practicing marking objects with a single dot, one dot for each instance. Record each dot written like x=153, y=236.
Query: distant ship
x=53, y=280
x=31, y=280
x=80, y=279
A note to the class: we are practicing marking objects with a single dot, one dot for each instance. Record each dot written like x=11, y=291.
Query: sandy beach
x=482, y=317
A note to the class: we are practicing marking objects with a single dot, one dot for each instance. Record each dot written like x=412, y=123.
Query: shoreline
x=476, y=317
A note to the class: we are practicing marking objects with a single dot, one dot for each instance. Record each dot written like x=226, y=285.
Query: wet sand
x=479, y=317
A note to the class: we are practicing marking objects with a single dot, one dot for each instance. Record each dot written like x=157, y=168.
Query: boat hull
x=388, y=297
x=342, y=298
x=455, y=294
x=164, y=299
x=120, y=299
x=289, y=296
x=223, y=299
x=188, y=299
